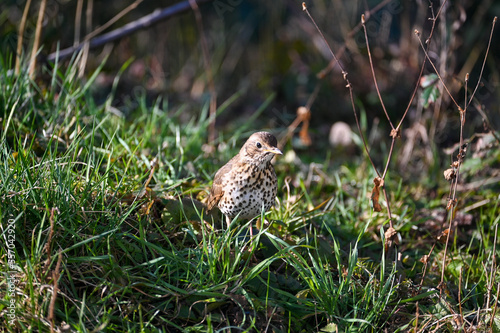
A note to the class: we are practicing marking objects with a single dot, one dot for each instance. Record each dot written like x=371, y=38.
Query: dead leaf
x=379, y=182
x=390, y=233
x=449, y=174
x=425, y=259
x=443, y=236
x=390, y=237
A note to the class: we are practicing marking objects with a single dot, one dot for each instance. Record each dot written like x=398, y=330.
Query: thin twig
x=428, y=42
x=373, y=71
x=493, y=268
x=322, y=74
x=460, y=295
x=55, y=290
x=417, y=33
x=484, y=62
x=20, y=37
x=348, y=85
x=378, y=184
x=493, y=315
x=452, y=201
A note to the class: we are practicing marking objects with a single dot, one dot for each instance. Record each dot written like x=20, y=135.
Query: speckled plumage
x=247, y=183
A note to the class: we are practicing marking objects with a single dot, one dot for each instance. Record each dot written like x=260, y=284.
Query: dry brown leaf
x=379, y=182
x=390, y=237
x=425, y=259
x=443, y=236
x=390, y=234
x=449, y=174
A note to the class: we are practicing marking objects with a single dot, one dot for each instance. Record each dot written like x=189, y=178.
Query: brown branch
x=379, y=181
x=142, y=23
x=456, y=165
x=322, y=74
x=417, y=33
x=348, y=85
x=373, y=71
x=428, y=43
x=484, y=63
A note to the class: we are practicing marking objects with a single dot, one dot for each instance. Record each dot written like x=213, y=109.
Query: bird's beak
x=274, y=150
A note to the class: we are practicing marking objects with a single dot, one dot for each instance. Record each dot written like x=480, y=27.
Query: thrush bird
x=247, y=184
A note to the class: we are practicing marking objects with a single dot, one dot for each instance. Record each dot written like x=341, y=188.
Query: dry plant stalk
x=390, y=234
x=55, y=289
x=20, y=37
x=78, y=22
x=38, y=36
x=325, y=71
x=86, y=46
x=453, y=174
x=48, y=245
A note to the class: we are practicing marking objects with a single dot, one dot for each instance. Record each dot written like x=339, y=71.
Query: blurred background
x=270, y=49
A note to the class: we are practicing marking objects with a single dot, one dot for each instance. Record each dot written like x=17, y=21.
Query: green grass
x=136, y=257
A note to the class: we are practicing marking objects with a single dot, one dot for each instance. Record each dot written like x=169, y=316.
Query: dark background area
x=260, y=48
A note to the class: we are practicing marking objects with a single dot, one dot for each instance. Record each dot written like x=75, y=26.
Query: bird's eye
x=259, y=145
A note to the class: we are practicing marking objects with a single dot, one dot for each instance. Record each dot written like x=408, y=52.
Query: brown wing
x=216, y=192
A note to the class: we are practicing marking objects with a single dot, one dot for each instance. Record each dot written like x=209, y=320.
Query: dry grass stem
x=351, y=95
x=78, y=22
x=86, y=45
x=20, y=37
x=455, y=167
x=38, y=36
x=55, y=290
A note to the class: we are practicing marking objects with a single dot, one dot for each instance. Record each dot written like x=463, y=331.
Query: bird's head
x=260, y=148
